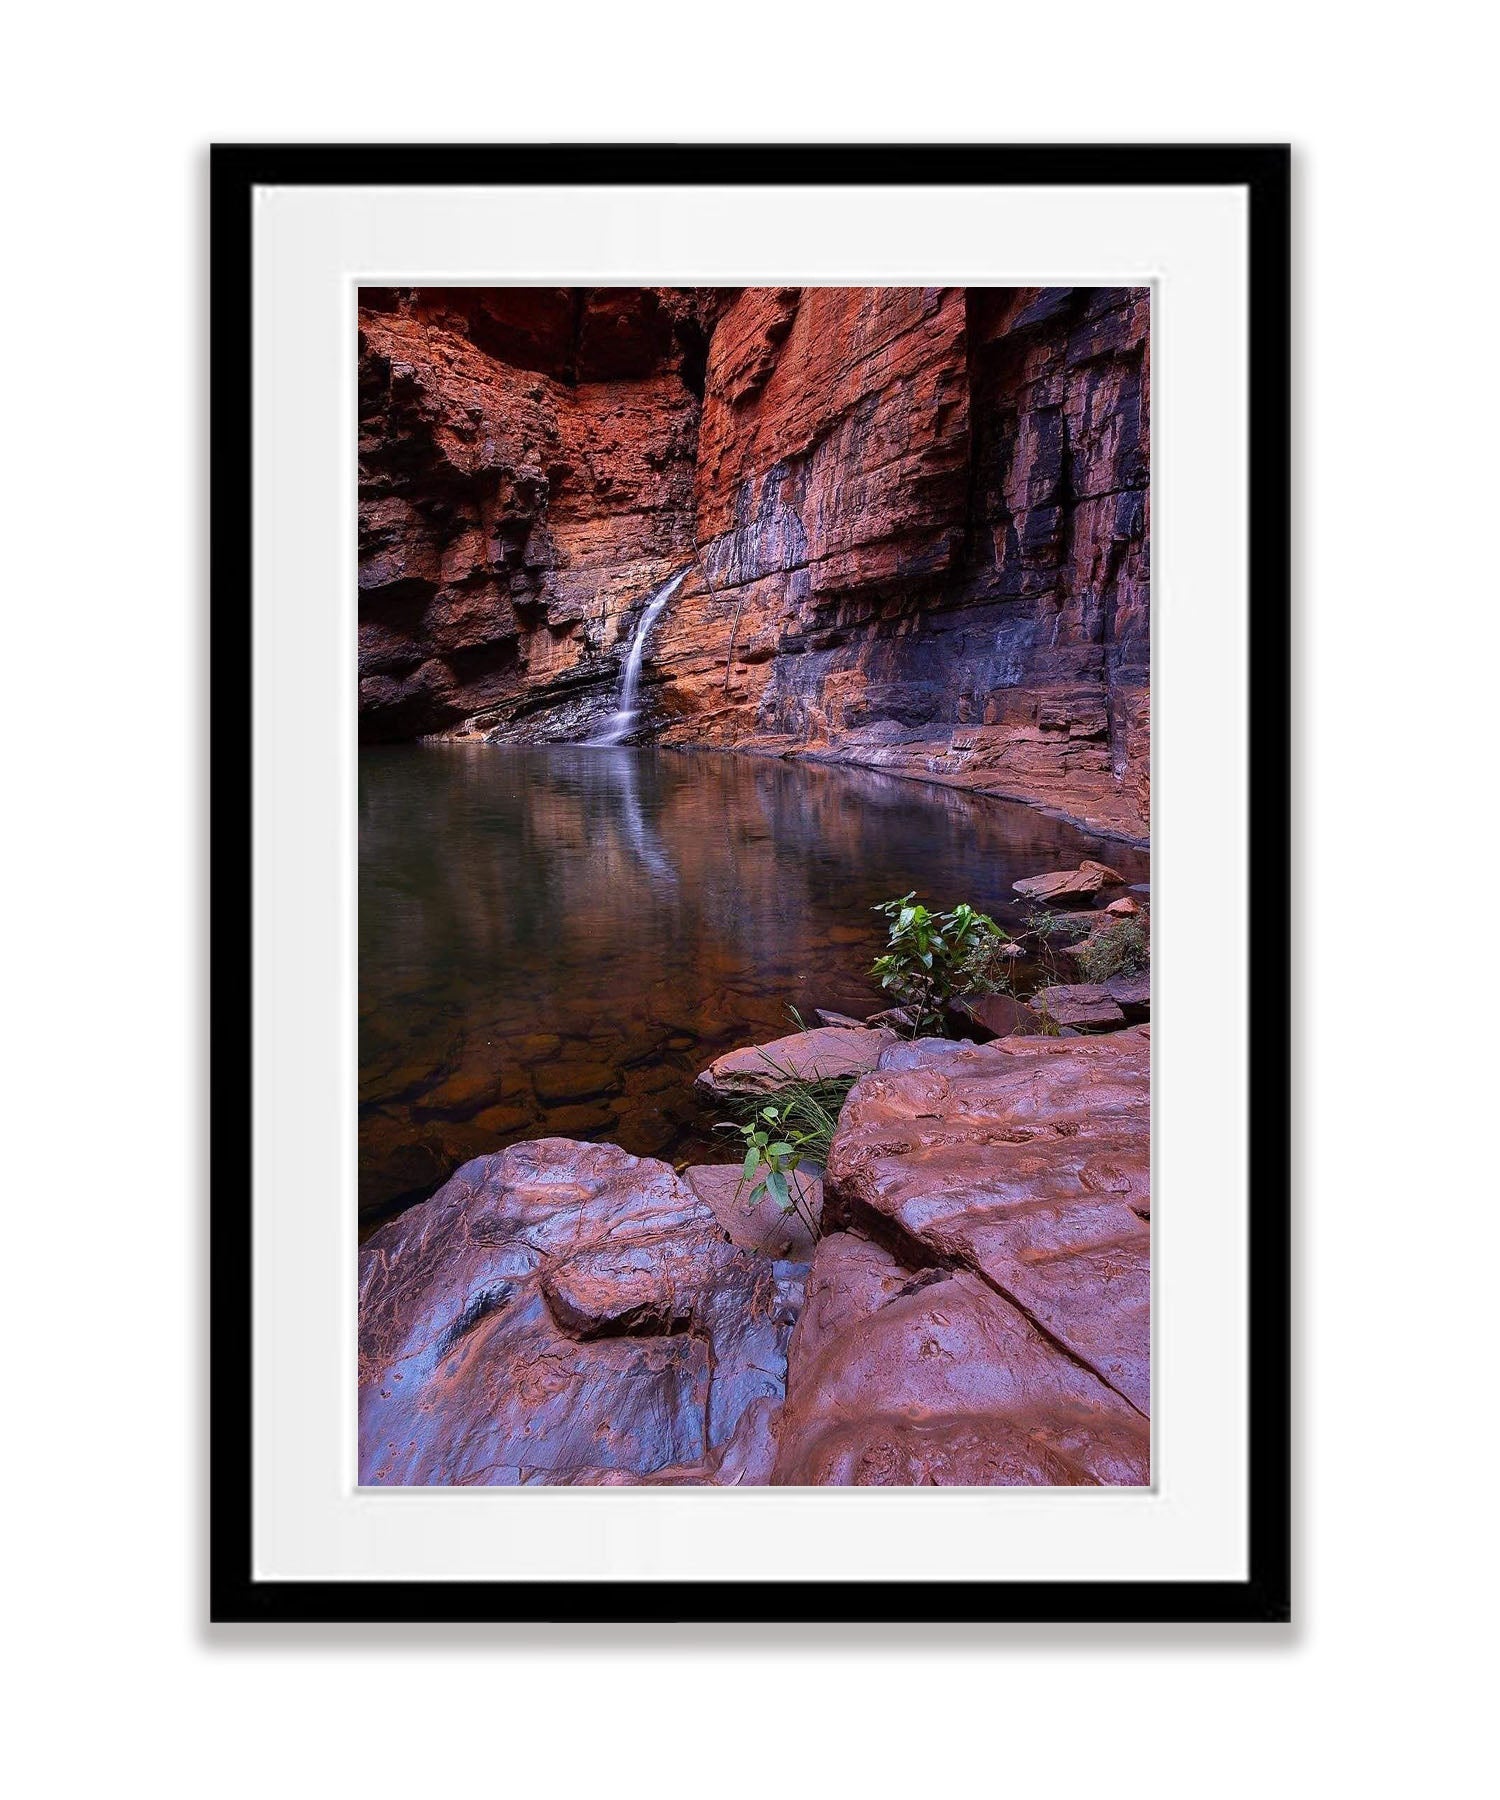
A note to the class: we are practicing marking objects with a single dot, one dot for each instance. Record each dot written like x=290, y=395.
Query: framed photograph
x=750, y=888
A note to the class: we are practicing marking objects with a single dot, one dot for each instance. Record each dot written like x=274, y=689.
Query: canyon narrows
x=915, y=524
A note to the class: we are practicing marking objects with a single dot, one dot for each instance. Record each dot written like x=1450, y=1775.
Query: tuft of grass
x=1122, y=947
x=808, y=1108
x=1067, y=926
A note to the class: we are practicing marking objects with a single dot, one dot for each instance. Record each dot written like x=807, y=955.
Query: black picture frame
x=1263, y=171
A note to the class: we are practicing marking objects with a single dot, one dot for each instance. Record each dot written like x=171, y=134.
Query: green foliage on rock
x=1123, y=947
x=780, y=1137
x=926, y=956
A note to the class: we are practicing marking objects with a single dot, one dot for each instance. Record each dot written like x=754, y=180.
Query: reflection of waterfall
x=645, y=839
x=622, y=723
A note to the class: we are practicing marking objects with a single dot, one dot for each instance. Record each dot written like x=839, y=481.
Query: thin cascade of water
x=622, y=721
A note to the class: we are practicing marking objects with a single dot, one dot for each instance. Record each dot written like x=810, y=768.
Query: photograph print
x=754, y=886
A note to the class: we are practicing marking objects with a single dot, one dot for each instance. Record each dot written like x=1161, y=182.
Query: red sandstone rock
x=898, y=1379
x=1068, y=884
x=802, y=1056
x=1129, y=991
x=1028, y=1161
x=565, y=1312
x=1000, y=1015
x=1077, y=1003
x=1123, y=909
x=762, y=1225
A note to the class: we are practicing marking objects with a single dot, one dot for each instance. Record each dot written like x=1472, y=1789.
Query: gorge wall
x=914, y=524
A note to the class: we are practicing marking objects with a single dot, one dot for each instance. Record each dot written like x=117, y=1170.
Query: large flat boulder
x=803, y=1056
x=1027, y=1161
x=932, y=1378
x=568, y=1313
x=1081, y=883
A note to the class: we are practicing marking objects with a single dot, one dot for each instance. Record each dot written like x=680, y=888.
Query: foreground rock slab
x=568, y=1313
x=902, y=1379
x=1027, y=1162
x=830, y=1051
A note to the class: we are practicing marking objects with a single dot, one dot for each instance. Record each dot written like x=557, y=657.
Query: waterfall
x=622, y=722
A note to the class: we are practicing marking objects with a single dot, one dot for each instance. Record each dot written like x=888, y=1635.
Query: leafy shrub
x=925, y=956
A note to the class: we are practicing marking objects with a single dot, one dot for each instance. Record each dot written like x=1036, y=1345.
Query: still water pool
x=555, y=941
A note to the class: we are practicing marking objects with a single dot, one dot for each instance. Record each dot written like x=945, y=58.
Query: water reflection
x=556, y=940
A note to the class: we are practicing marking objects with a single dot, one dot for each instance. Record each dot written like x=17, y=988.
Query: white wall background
x=1380, y=1686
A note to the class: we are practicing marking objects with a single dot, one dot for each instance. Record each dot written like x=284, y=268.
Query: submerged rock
x=1026, y=1161
x=566, y=1312
x=830, y=1051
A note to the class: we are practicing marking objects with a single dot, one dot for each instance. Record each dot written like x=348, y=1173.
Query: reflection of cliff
x=916, y=525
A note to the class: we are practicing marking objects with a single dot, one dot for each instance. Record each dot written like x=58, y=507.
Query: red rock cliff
x=915, y=523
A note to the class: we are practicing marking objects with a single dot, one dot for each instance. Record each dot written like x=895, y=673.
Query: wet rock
x=761, y=1226
x=565, y=1312
x=1081, y=883
x=932, y=1378
x=803, y=1056
x=1027, y=1161
x=1081, y=1003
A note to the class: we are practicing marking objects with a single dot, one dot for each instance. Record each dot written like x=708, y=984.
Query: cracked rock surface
x=984, y=1317
x=567, y=1313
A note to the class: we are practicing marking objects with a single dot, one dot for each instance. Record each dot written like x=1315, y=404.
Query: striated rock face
x=1026, y=1161
x=568, y=1313
x=915, y=524
x=983, y=1318
x=899, y=1380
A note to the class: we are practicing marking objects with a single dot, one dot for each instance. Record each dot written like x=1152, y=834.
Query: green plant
x=989, y=966
x=775, y=1149
x=1054, y=932
x=808, y=1107
x=1067, y=926
x=1123, y=947
x=925, y=956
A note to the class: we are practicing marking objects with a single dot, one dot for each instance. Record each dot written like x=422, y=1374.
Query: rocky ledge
x=975, y=1312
